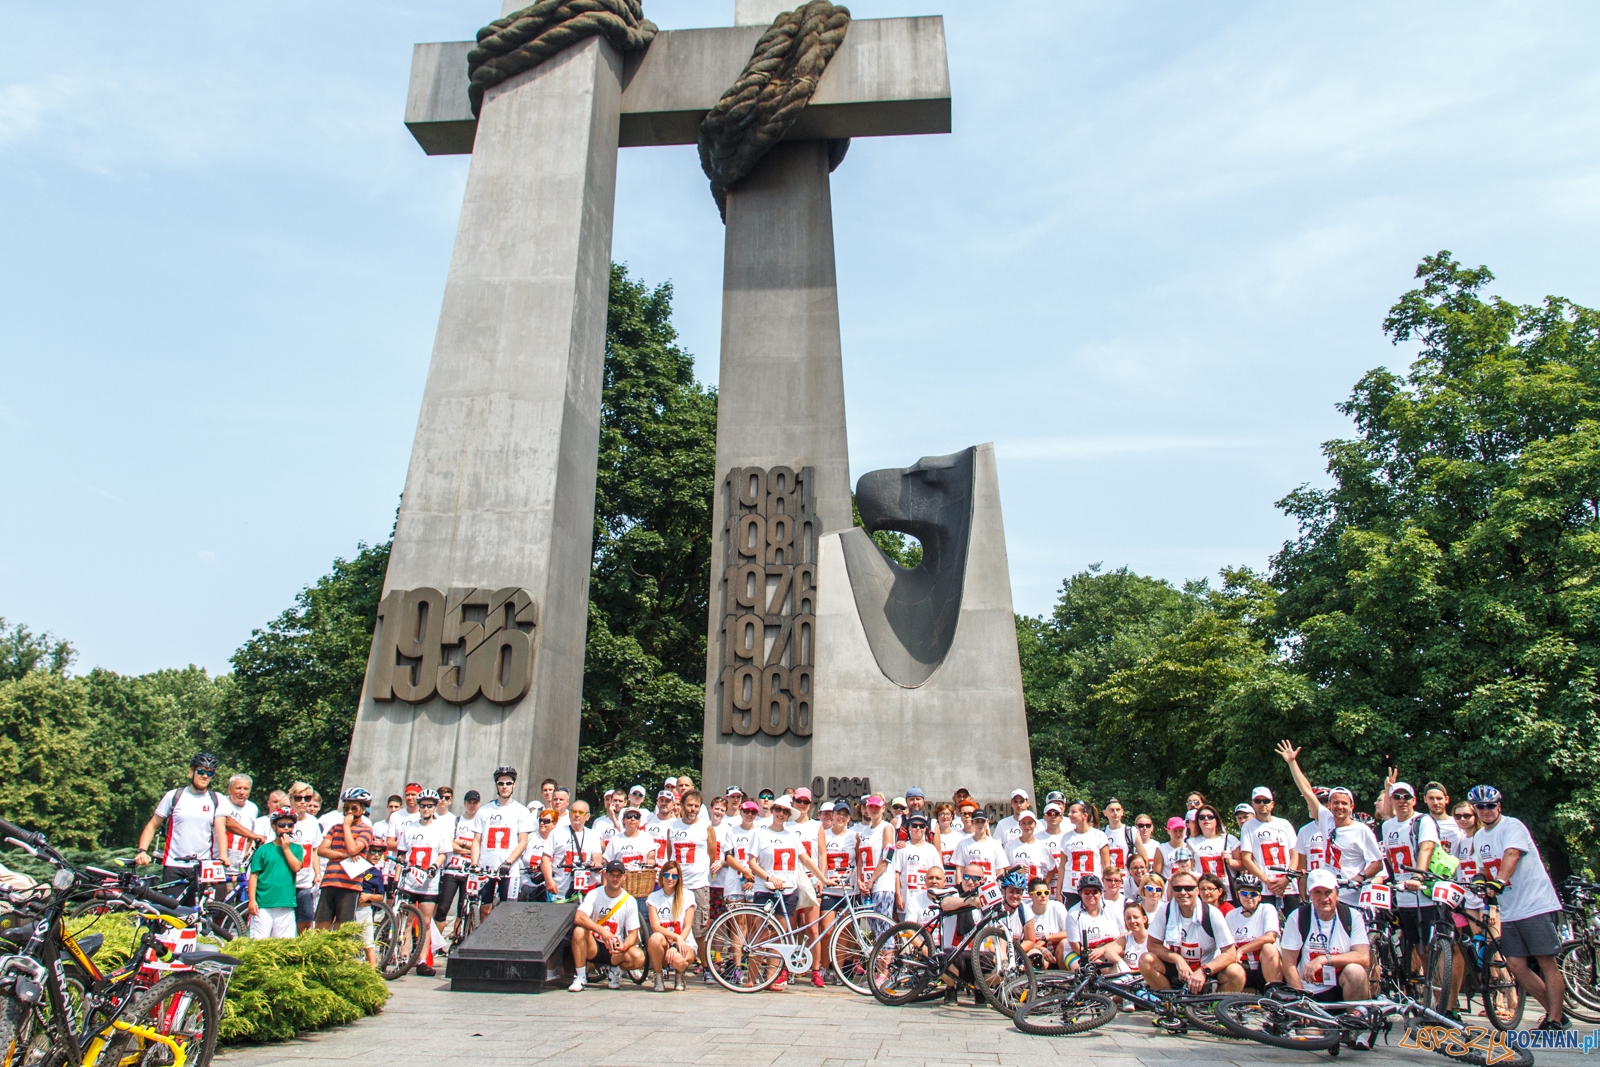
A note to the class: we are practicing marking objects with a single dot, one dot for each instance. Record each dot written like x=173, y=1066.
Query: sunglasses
x=283, y=826
x=1465, y=815
x=1144, y=826
x=547, y=822
x=1090, y=892
x=1040, y=893
x=1152, y=889
x=1249, y=892
x=502, y=785
x=972, y=877
x=206, y=774
x=427, y=804
x=1208, y=818
x=1402, y=796
x=666, y=875
x=1185, y=888
x=301, y=796
x=803, y=803
x=1486, y=807
x=766, y=796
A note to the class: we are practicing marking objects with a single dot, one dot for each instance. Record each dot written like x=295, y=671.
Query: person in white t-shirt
x=911, y=864
x=237, y=832
x=502, y=827
x=1045, y=926
x=949, y=835
x=1255, y=930
x=671, y=909
x=981, y=849
x=1190, y=943
x=1529, y=907
x=1137, y=940
x=875, y=856
x=1030, y=855
x=1409, y=837
x=1437, y=800
x=193, y=818
x=693, y=842
x=1093, y=925
x=424, y=846
x=1341, y=844
x=1321, y=956
x=1008, y=829
x=838, y=852
x=606, y=931
x=1084, y=850
x=1120, y=837
x=634, y=848
x=308, y=835
x=571, y=866
x=1267, y=841
x=779, y=862
x=1177, y=837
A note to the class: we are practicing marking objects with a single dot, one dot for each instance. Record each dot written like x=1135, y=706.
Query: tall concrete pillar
x=499, y=495
x=780, y=402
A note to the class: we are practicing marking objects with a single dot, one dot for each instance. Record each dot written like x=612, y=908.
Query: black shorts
x=191, y=884
x=452, y=887
x=1255, y=980
x=337, y=905
x=1416, y=928
x=791, y=900
x=836, y=902
x=1335, y=995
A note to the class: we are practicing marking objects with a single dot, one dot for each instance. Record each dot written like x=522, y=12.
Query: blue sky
x=1149, y=261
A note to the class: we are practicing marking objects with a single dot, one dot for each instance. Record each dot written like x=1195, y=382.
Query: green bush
x=283, y=986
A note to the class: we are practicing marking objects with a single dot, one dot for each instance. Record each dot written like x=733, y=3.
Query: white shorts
x=272, y=922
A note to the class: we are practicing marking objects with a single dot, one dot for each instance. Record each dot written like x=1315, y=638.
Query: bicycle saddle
x=89, y=944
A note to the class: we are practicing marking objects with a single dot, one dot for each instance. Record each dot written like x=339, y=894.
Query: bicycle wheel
x=408, y=942
x=1439, y=972
x=223, y=921
x=904, y=964
x=1063, y=1014
x=180, y=1007
x=1502, y=997
x=1202, y=1015
x=1576, y=960
x=1001, y=970
x=1267, y=1021
x=382, y=934
x=738, y=947
x=850, y=947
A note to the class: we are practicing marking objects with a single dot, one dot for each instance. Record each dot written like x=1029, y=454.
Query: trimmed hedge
x=283, y=986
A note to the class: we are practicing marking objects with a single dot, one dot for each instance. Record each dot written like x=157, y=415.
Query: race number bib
x=1190, y=950
x=989, y=894
x=916, y=879
x=1377, y=897
x=497, y=838
x=212, y=871
x=584, y=880
x=1448, y=893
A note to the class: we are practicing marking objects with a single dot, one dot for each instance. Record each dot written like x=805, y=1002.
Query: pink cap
x=802, y=793
x=1176, y=823
x=874, y=800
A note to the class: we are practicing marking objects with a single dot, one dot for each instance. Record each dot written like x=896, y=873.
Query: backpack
x=171, y=797
x=1302, y=917
x=1205, y=917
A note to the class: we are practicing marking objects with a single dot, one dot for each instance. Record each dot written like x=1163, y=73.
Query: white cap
x=1023, y=793
x=1321, y=878
x=1341, y=789
x=1260, y=792
x=1054, y=806
x=1402, y=787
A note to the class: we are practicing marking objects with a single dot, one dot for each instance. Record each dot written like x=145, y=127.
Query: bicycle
x=407, y=931
x=1384, y=936
x=469, y=910
x=1485, y=963
x=60, y=1008
x=1084, y=1000
x=1580, y=947
x=747, y=939
x=907, y=963
x=1288, y=1018
x=214, y=918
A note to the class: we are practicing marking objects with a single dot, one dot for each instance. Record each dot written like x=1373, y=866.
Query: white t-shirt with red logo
x=911, y=863
x=1246, y=928
x=988, y=854
x=661, y=904
x=1326, y=937
x=191, y=824
x=498, y=824
x=1121, y=839
x=1530, y=892
x=1397, y=848
x=1080, y=855
x=634, y=853
x=1466, y=851
x=1096, y=930
x=839, y=860
x=1346, y=849
x=1036, y=858
x=1211, y=854
x=424, y=848
x=1271, y=842
x=736, y=843
x=870, y=846
x=236, y=849
x=778, y=852
x=1187, y=935
x=949, y=841
x=574, y=848
x=622, y=922
x=656, y=827
x=688, y=844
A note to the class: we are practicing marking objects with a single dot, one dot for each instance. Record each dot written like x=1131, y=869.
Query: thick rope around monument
x=777, y=83
x=523, y=39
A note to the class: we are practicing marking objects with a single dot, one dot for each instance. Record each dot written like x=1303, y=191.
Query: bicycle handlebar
x=12, y=830
x=160, y=900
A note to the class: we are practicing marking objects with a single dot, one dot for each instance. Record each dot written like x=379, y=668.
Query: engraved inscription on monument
x=769, y=590
x=461, y=645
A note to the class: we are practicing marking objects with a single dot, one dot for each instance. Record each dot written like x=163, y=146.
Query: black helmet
x=505, y=772
x=204, y=761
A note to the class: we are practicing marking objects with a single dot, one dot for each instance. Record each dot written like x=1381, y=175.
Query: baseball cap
x=843, y=805
x=918, y=819
x=665, y=793
x=979, y=813
x=1341, y=789
x=1260, y=792
x=734, y=791
x=1321, y=878
x=873, y=801
x=1237, y=808
x=1175, y=823
x=1089, y=881
x=615, y=867
x=749, y=805
x=782, y=801
x=1055, y=806
x=1023, y=793
x=1402, y=787
x=636, y=789
x=670, y=783
x=471, y=795
x=915, y=791
x=635, y=812
x=803, y=794
x=1025, y=813
x=898, y=802
x=1181, y=854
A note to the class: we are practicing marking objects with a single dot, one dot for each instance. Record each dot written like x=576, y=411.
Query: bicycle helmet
x=1483, y=794
x=428, y=794
x=1017, y=879
x=1245, y=880
x=505, y=772
x=204, y=761
x=1322, y=793
x=1365, y=820
x=360, y=796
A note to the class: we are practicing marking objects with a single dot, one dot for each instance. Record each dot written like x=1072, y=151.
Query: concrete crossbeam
x=889, y=77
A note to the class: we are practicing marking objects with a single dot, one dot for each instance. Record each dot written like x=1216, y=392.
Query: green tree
x=296, y=684
x=22, y=650
x=47, y=759
x=1441, y=596
x=644, y=659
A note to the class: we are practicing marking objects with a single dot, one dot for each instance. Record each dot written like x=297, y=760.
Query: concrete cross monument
x=477, y=659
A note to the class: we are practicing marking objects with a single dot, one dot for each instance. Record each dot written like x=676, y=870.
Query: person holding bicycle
x=1529, y=907
x=962, y=909
x=577, y=847
x=779, y=854
x=195, y=824
x=1190, y=943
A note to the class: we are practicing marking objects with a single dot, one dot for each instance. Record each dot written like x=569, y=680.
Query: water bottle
x=1477, y=949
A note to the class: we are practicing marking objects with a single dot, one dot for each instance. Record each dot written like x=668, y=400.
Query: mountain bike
x=214, y=918
x=1580, y=947
x=1288, y=1018
x=747, y=948
x=1486, y=970
x=58, y=1007
x=908, y=962
x=1074, y=1001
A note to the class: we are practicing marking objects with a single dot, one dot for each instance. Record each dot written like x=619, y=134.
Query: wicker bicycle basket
x=640, y=883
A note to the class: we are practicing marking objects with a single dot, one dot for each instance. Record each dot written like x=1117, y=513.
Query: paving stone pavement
x=425, y=1023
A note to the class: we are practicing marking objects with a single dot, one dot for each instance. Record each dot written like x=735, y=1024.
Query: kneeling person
x=1190, y=943
x=1325, y=947
x=606, y=931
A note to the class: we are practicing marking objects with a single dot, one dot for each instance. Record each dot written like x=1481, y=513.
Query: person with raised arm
x=1348, y=848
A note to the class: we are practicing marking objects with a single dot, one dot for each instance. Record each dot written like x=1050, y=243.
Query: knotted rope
x=766, y=101
x=523, y=39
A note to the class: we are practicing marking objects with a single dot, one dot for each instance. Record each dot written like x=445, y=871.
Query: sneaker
x=661, y=984
x=782, y=983
x=709, y=980
x=952, y=997
x=1549, y=1024
x=738, y=976
x=577, y=985
x=424, y=970
x=1363, y=1041
x=613, y=977
x=816, y=979
x=679, y=983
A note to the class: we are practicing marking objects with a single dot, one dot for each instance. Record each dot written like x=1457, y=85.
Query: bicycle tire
x=223, y=920
x=408, y=941
x=850, y=948
x=1204, y=1017
x=1438, y=971
x=382, y=934
x=150, y=1009
x=899, y=970
x=1260, y=1019
x=1503, y=999
x=1077, y=1014
x=726, y=942
x=998, y=962
x=1576, y=960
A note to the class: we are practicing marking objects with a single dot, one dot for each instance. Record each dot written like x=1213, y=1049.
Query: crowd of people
x=1240, y=897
